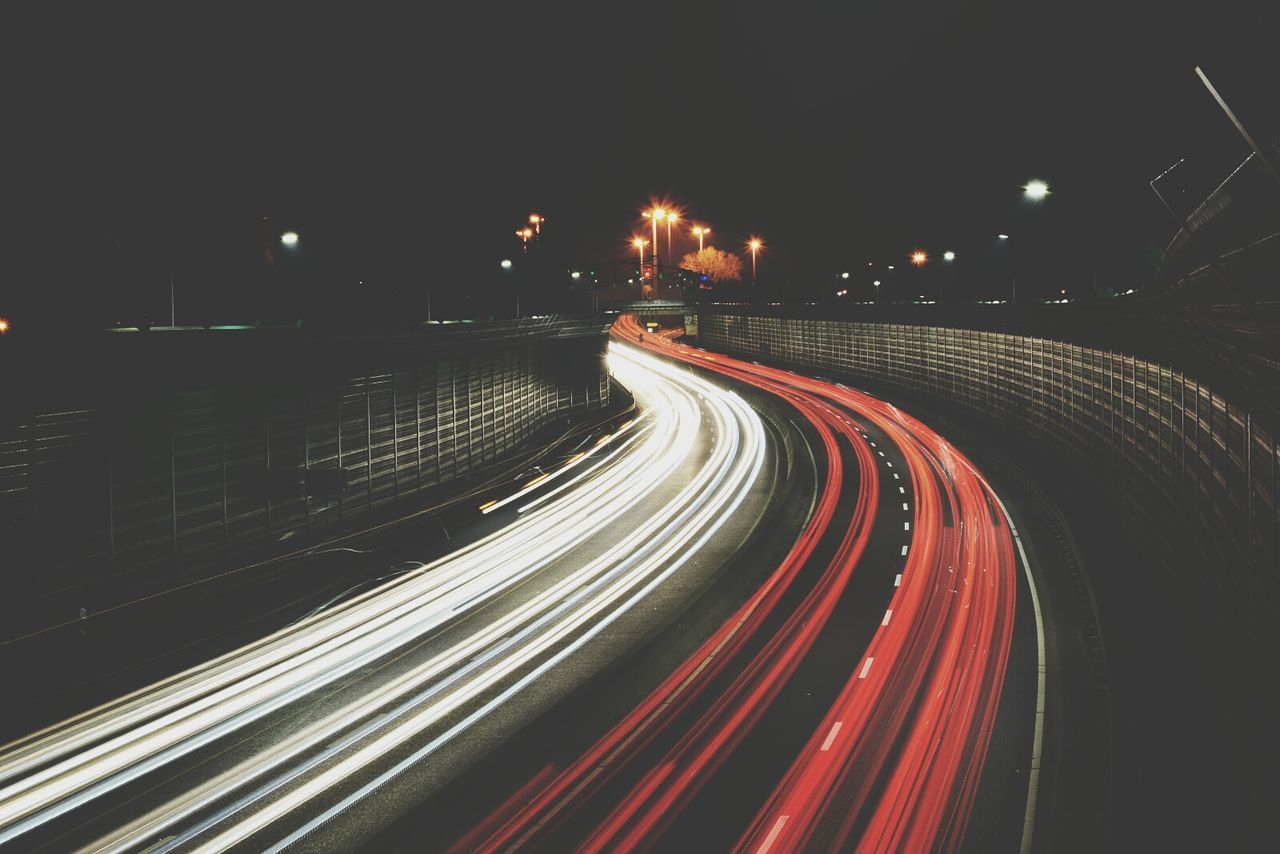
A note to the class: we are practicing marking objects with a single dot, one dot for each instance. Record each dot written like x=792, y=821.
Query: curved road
x=893, y=760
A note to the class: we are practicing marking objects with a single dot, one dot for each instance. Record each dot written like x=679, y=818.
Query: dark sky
x=412, y=147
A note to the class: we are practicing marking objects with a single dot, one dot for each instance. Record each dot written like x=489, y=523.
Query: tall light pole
x=524, y=234
x=639, y=243
x=653, y=216
x=700, y=232
x=536, y=220
x=1013, y=277
x=672, y=216
x=754, y=244
x=950, y=258
x=506, y=265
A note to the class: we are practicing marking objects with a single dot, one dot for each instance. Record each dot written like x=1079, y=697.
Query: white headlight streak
x=449, y=675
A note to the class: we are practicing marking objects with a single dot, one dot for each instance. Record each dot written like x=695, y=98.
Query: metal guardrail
x=1192, y=471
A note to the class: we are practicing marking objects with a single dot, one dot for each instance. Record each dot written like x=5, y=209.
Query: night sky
x=410, y=148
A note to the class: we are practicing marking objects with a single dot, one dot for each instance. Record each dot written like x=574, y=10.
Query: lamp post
x=672, y=216
x=506, y=265
x=536, y=220
x=950, y=258
x=1013, y=278
x=754, y=244
x=639, y=243
x=653, y=216
x=700, y=232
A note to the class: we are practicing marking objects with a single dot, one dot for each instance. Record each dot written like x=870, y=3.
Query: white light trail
x=63, y=767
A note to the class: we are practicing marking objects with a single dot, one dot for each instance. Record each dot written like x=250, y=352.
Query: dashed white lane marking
x=773, y=834
x=831, y=736
x=906, y=526
x=889, y=464
x=881, y=453
x=873, y=444
x=902, y=489
x=904, y=506
x=865, y=667
x=887, y=615
x=904, y=551
x=895, y=475
x=897, y=582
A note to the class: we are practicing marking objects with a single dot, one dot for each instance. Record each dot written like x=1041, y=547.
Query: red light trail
x=896, y=760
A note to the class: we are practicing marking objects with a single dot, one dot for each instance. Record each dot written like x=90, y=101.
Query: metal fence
x=178, y=480
x=1192, y=470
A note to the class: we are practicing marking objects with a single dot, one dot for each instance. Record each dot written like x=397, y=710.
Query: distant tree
x=715, y=265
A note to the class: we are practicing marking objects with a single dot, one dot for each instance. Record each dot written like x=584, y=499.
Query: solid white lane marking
x=897, y=582
x=887, y=615
x=1037, y=739
x=904, y=551
x=831, y=736
x=773, y=834
x=865, y=667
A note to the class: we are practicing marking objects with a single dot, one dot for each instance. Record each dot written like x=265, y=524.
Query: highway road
x=851, y=700
x=308, y=732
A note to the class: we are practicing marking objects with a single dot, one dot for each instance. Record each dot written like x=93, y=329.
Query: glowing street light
x=536, y=221
x=844, y=275
x=653, y=216
x=1036, y=189
x=755, y=244
x=639, y=243
x=289, y=238
x=948, y=255
x=1013, y=275
x=919, y=258
x=4, y=326
x=506, y=264
x=524, y=234
x=700, y=232
x=877, y=284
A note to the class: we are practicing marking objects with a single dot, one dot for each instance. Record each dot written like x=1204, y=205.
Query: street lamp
x=537, y=221
x=755, y=244
x=653, y=216
x=1013, y=276
x=289, y=238
x=1035, y=189
x=700, y=232
x=919, y=258
x=877, y=284
x=4, y=326
x=948, y=255
x=506, y=265
x=672, y=216
x=639, y=243
x=524, y=234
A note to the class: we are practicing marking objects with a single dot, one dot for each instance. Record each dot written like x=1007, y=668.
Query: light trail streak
x=932, y=674
x=62, y=768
